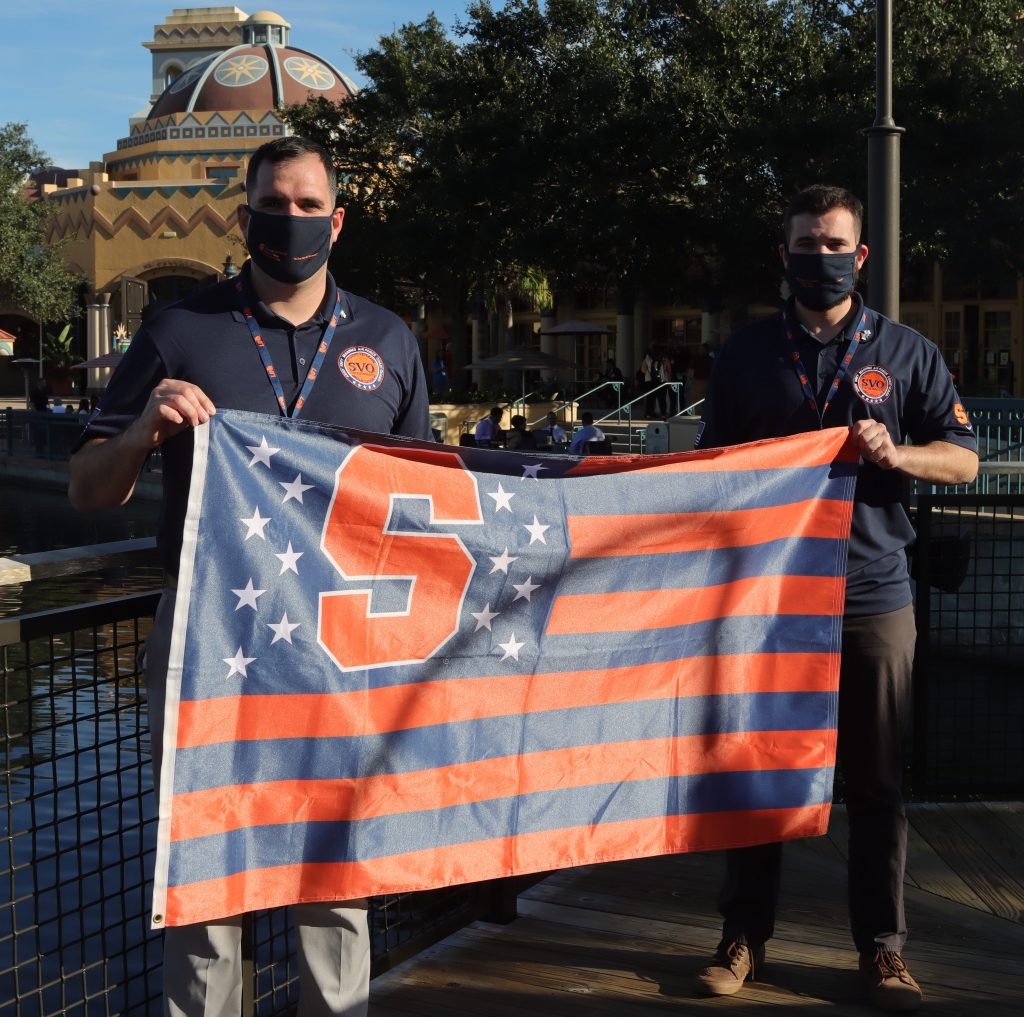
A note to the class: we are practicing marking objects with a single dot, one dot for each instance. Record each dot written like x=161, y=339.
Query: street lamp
x=884, y=177
x=229, y=268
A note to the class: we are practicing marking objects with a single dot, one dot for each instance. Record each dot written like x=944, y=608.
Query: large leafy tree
x=655, y=143
x=959, y=91
x=33, y=278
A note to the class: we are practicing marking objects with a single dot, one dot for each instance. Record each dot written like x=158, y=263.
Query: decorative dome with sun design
x=252, y=77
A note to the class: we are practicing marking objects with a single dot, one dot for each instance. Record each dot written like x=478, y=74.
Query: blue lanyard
x=314, y=367
x=801, y=371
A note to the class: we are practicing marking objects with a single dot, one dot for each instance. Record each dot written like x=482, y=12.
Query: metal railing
x=968, y=562
x=78, y=824
x=50, y=436
x=38, y=435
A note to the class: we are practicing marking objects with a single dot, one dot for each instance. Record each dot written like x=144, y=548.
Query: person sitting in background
x=58, y=405
x=488, y=431
x=588, y=432
x=519, y=437
x=555, y=432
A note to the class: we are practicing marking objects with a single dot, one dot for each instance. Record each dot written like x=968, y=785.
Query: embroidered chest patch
x=362, y=367
x=873, y=384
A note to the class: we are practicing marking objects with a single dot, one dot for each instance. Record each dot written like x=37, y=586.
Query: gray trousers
x=203, y=963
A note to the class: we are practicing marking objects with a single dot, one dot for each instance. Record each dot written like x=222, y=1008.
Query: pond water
x=36, y=520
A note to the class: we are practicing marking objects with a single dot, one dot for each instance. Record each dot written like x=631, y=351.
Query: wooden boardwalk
x=625, y=939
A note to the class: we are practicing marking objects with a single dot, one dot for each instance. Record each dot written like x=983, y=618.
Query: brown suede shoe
x=889, y=983
x=732, y=965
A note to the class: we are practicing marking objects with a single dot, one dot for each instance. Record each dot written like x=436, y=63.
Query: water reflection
x=32, y=521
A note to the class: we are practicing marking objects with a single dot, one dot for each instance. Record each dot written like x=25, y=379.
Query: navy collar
x=844, y=335
x=265, y=316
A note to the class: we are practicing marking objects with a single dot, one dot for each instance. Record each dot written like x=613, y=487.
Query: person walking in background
x=826, y=360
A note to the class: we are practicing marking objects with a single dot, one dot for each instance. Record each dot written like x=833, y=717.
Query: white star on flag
x=283, y=629
x=537, y=529
x=295, y=488
x=289, y=560
x=502, y=498
x=484, y=617
x=238, y=663
x=511, y=648
x=256, y=525
x=525, y=590
x=532, y=470
x=262, y=452
x=247, y=597
x=502, y=562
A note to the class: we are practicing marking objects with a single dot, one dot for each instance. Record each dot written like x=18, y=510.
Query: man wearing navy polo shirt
x=825, y=360
x=197, y=355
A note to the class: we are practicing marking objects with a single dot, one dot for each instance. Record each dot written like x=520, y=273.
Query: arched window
x=172, y=71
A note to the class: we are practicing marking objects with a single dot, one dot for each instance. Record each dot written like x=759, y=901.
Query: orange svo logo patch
x=873, y=384
x=961, y=415
x=362, y=367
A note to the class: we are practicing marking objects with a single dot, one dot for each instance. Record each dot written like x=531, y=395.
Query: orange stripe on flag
x=423, y=704
x=813, y=448
x=491, y=859
x=218, y=810
x=601, y=536
x=583, y=613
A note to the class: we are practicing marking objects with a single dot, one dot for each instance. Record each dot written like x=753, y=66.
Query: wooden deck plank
x=930, y=871
x=625, y=939
x=1011, y=815
x=985, y=876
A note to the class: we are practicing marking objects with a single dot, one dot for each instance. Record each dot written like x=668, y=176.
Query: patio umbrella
x=111, y=359
x=519, y=358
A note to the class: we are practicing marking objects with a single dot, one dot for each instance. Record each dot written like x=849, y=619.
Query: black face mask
x=289, y=248
x=821, y=281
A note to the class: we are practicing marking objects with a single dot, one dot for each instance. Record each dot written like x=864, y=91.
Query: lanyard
x=801, y=371
x=314, y=367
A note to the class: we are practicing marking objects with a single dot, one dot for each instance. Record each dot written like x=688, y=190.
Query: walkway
x=623, y=940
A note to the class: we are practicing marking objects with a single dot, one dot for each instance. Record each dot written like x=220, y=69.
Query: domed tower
x=157, y=217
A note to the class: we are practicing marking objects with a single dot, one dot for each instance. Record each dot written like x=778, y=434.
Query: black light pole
x=884, y=178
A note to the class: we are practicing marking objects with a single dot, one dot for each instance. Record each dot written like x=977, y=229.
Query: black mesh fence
x=969, y=676
x=78, y=833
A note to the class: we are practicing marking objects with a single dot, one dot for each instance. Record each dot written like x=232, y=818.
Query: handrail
x=521, y=401
x=617, y=385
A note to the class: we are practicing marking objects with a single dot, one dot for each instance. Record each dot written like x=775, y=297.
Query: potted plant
x=57, y=360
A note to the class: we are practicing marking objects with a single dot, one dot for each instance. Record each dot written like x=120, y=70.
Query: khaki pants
x=203, y=963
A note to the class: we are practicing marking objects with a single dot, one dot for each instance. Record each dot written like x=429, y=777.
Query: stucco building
x=155, y=217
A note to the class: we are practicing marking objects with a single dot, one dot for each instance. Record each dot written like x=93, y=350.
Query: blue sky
x=75, y=71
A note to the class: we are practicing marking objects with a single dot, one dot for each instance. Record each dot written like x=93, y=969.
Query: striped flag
x=398, y=666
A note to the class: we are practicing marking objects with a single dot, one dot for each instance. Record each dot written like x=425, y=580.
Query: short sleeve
x=935, y=411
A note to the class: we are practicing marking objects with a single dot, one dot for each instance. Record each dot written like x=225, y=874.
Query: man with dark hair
x=519, y=438
x=588, y=432
x=294, y=146
x=279, y=339
x=826, y=360
x=488, y=432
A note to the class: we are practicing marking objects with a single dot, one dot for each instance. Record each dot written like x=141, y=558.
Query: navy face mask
x=289, y=248
x=821, y=281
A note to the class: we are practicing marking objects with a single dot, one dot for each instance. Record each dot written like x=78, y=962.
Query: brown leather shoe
x=732, y=965
x=889, y=983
